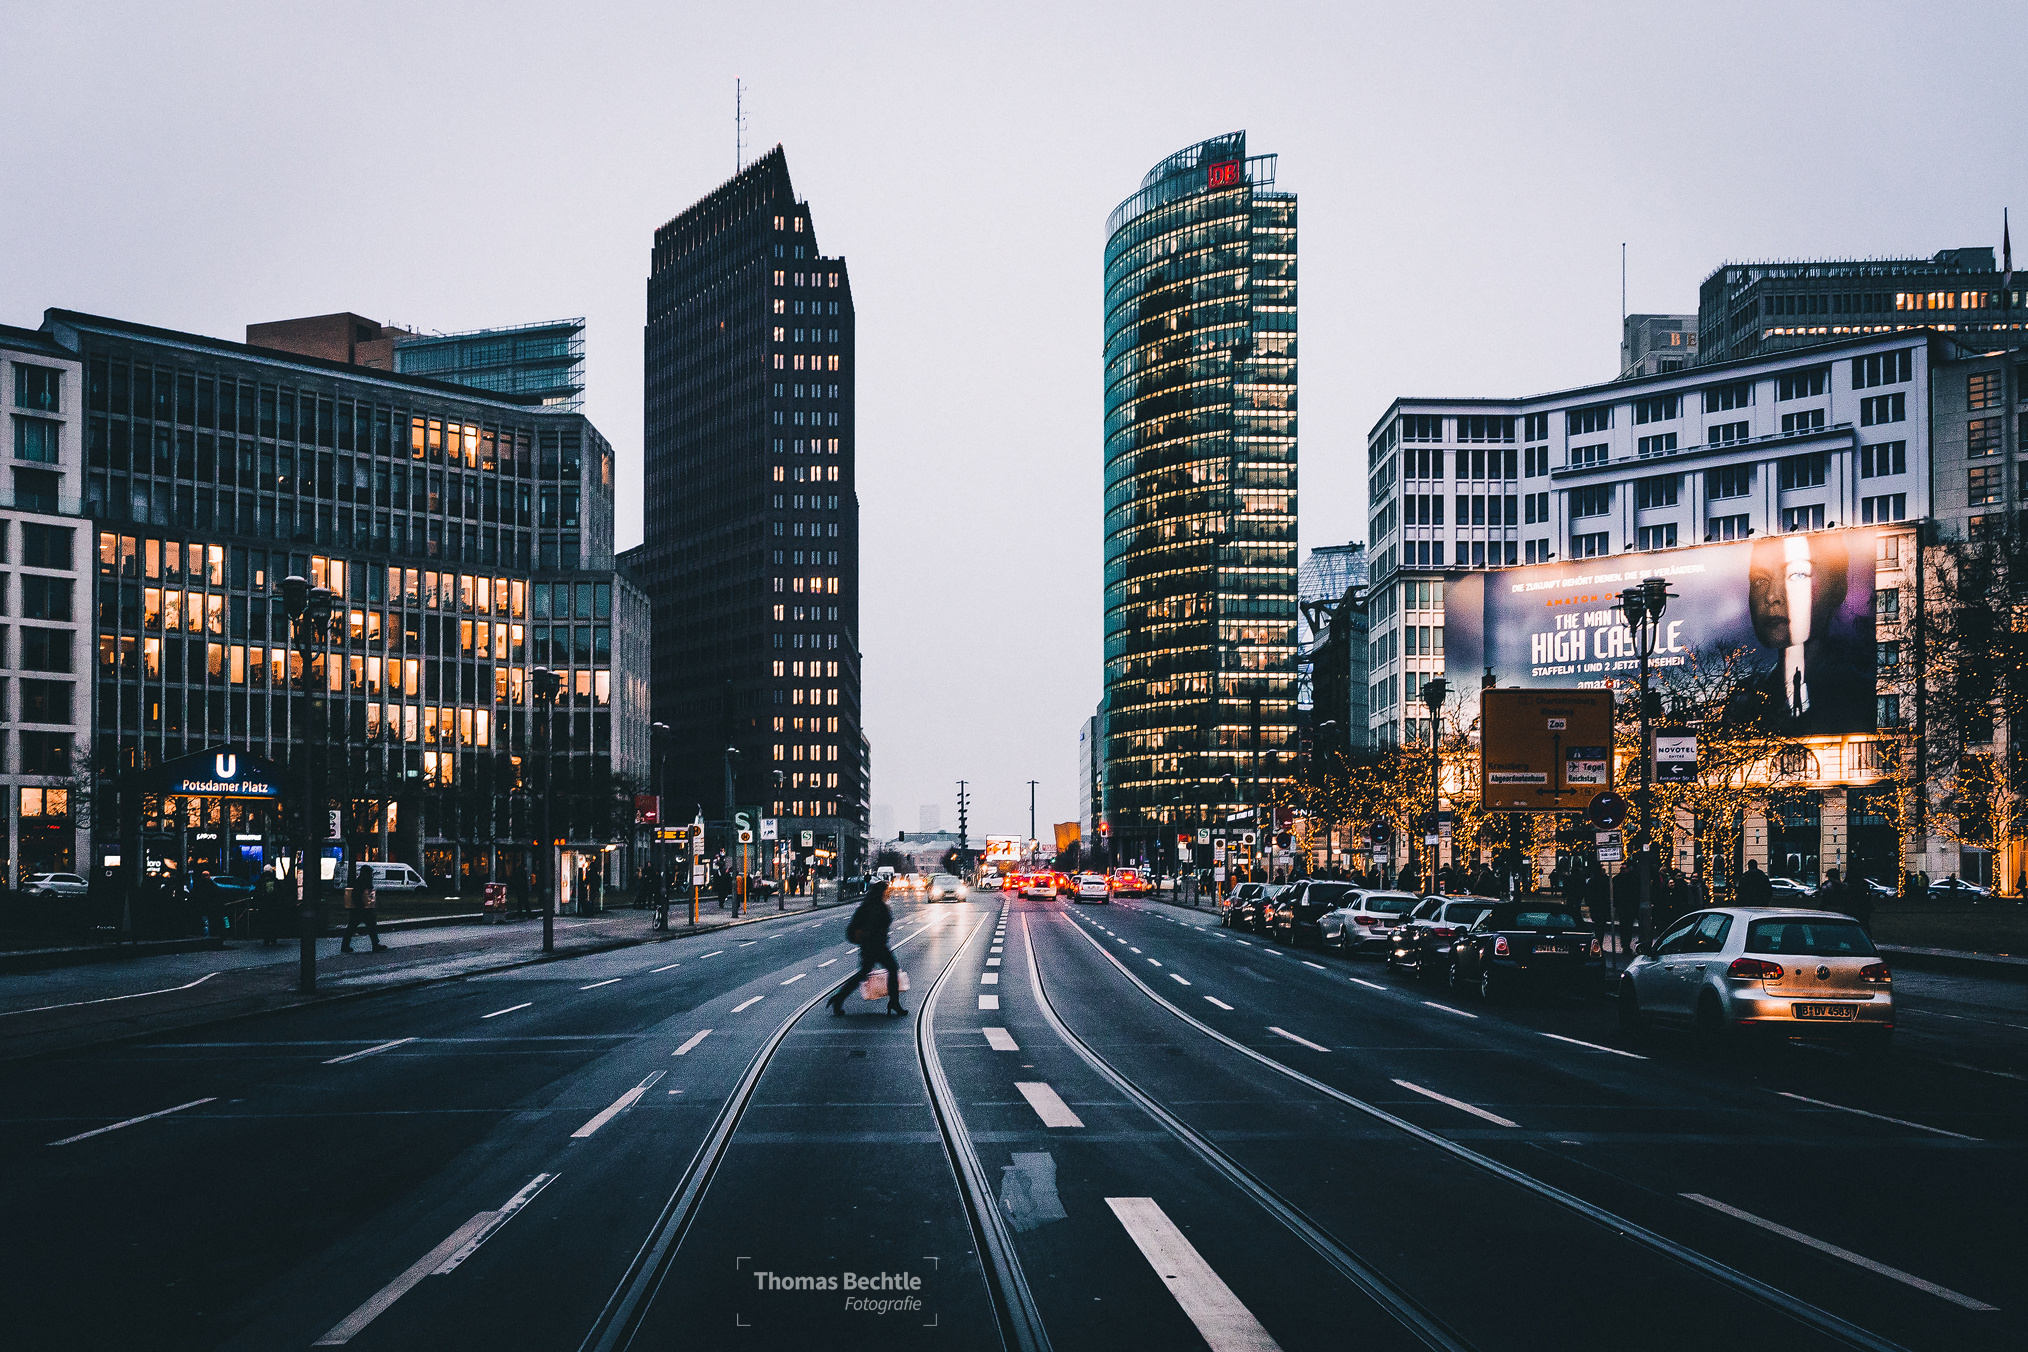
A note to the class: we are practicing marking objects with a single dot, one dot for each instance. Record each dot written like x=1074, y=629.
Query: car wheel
x=1632, y=1021
x=1453, y=978
x=1710, y=1020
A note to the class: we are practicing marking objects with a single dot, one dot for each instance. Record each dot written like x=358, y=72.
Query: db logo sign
x=1225, y=174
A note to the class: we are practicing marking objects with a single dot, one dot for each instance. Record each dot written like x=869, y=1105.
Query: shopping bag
x=875, y=986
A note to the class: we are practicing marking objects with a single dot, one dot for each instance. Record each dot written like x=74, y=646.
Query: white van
x=395, y=878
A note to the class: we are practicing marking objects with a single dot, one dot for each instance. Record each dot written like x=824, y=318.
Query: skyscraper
x=752, y=518
x=1200, y=525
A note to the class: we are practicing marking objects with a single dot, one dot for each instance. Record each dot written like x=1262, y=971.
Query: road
x=1098, y=1127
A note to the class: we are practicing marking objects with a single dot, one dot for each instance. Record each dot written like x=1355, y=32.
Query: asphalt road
x=1098, y=1127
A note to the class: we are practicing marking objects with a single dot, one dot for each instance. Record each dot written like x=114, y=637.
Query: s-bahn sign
x=220, y=774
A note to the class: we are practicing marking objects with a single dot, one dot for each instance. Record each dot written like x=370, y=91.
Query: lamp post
x=309, y=610
x=1433, y=695
x=1643, y=606
x=547, y=683
x=658, y=734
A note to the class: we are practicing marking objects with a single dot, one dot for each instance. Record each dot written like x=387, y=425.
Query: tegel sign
x=220, y=774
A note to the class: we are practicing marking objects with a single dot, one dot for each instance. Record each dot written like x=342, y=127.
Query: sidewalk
x=76, y=1006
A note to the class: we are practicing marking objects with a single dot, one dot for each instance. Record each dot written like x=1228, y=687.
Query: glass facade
x=1200, y=481
x=545, y=360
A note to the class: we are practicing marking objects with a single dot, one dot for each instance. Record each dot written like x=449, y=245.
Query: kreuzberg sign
x=220, y=774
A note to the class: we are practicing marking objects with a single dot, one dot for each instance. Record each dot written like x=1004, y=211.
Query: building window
x=1478, y=427
x=1883, y=368
x=1659, y=491
x=1733, y=481
x=45, y=753
x=1535, y=427
x=1582, y=456
x=1534, y=461
x=1800, y=471
x=1422, y=427
x=1661, y=444
x=1802, y=518
x=1801, y=384
x=1982, y=390
x=35, y=439
x=1535, y=508
x=36, y=387
x=1593, y=501
x=1888, y=457
x=1723, y=398
x=1982, y=437
x=1887, y=605
x=1982, y=485
x=1581, y=421
x=1888, y=507
x=1809, y=420
x=1666, y=408
x=1727, y=528
x=1887, y=710
x=1883, y=408
x=1538, y=551
x=1724, y=434
x=1656, y=537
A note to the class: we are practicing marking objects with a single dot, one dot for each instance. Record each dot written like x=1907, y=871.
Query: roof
x=33, y=340
x=277, y=357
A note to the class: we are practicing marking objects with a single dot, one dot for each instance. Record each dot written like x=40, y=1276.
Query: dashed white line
x=989, y=978
x=992, y=962
x=748, y=944
x=689, y=1045
x=826, y=962
x=1174, y=977
x=1053, y=1111
x=500, y=1218
x=356, y=1322
x=1878, y=1117
x=1000, y=1040
x=714, y=952
x=653, y=970
x=794, y=979
x=596, y=984
x=1220, y=1003
x=1370, y=985
x=1154, y=963
x=1448, y=1010
x=1459, y=1104
x=1595, y=1046
x=1318, y=965
x=989, y=1002
x=1283, y=1032
x=748, y=1004
x=1820, y=1246
x=509, y=1010
x=144, y=1117
x=354, y=1056
x=619, y=1105
x=1222, y=1321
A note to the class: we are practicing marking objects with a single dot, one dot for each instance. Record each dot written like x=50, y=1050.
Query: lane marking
x=1220, y=1003
x=596, y=984
x=108, y=999
x=989, y=978
x=1132, y=949
x=1243, y=942
x=354, y=1056
x=714, y=952
x=1878, y=1117
x=694, y=1039
x=794, y=979
x=1224, y=1323
x=1053, y=1111
x=145, y=1117
x=989, y=1002
x=1318, y=965
x=1293, y=1038
x=356, y=1322
x=1575, y=1042
x=1448, y=1010
x=992, y=962
x=748, y=1004
x=1459, y=1104
x=1174, y=977
x=619, y=1105
x=1982, y=1070
x=653, y=970
x=509, y=1010
x=1000, y=1040
x=825, y=963
x=1820, y=1246
x=1370, y=985
x=1155, y=963
x=749, y=943
x=500, y=1218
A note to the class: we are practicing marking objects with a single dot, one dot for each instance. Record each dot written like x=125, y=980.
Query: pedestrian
x=1409, y=881
x=521, y=891
x=1626, y=887
x=868, y=929
x=268, y=906
x=204, y=899
x=723, y=886
x=1754, y=888
x=359, y=907
x=1597, y=890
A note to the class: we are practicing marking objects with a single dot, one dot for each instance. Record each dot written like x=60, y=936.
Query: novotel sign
x=220, y=774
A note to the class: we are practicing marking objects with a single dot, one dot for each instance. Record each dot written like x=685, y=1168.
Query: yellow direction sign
x=1544, y=750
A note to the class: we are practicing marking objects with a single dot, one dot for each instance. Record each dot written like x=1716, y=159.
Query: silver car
x=55, y=885
x=1795, y=972
x=1365, y=919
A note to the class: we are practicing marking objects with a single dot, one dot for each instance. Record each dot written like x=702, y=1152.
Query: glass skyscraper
x=1200, y=525
x=545, y=359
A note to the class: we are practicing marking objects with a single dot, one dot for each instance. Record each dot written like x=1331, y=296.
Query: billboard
x=1003, y=849
x=1799, y=606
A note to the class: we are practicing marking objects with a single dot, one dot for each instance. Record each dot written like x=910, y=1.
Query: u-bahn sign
x=220, y=774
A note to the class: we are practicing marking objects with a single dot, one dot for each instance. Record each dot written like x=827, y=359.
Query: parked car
x=1957, y=889
x=1297, y=908
x=1364, y=920
x=395, y=878
x=1540, y=945
x=1127, y=882
x=989, y=883
x=1229, y=906
x=1791, y=890
x=1422, y=942
x=54, y=885
x=1249, y=906
x=1734, y=969
x=948, y=887
x=1092, y=887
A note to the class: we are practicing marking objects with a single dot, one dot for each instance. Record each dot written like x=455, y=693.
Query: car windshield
x=1463, y=912
x=1809, y=938
x=945, y=878
x=1385, y=904
x=1329, y=894
x=1512, y=917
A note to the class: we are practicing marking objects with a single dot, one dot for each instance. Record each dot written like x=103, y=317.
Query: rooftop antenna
x=738, y=128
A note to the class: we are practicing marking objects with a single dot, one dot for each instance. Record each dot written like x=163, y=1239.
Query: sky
x=1466, y=176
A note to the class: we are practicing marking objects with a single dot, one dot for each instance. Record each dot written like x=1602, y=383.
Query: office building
x=1653, y=345
x=1327, y=571
x=1200, y=482
x=469, y=539
x=544, y=360
x=46, y=597
x=1747, y=309
x=752, y=549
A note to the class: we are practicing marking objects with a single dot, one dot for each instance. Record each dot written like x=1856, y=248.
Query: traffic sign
x=1540, y=750
x=809, y=839
x=1675, y=756
x=1203, y=835
x=745, y=837
x=1606, y=810
x=768, y=825
x=1247, y=838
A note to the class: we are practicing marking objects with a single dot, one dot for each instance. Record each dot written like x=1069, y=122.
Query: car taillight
x=1441, y=932
x=1500, y=946
x=1596, y=951
x=1877, y=973
x=1753, y=969
x=1364, y=920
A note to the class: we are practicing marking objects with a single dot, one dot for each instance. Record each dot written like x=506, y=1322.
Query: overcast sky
x=1466, y=176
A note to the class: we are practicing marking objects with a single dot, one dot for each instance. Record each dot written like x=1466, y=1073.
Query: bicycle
x=662, y=912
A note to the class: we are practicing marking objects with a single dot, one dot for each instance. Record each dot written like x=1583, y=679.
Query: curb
x=43, y=959
x=393, y=987
x=1951, y=960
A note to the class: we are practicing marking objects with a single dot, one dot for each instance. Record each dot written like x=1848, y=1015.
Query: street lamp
x=658, y=737
x=309, y=609
x=547, y=684
x=1643, y=606
x=1433, y=695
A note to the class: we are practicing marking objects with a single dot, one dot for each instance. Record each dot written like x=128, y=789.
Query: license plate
x=1825, y=1011
x=1551, y=948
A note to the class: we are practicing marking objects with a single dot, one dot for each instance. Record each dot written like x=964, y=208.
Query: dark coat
x=870, y=922
x=1755, y=889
